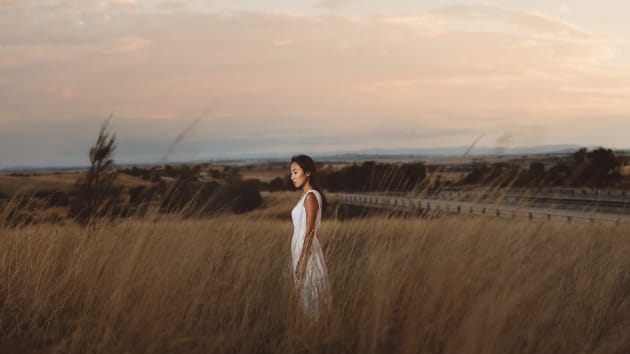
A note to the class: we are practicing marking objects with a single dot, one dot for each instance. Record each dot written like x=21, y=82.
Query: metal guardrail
x=566, y=194
x=550, y=201
x=428, y=206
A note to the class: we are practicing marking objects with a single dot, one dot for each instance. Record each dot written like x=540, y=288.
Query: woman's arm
x=311, y=205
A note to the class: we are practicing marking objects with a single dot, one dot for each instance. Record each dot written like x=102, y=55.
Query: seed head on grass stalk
x=96, y=192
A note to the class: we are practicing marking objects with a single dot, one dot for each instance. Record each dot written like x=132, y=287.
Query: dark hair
x=308, y=166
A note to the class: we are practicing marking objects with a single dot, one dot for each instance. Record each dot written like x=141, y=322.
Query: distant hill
x=477, y=151
x=361, y=154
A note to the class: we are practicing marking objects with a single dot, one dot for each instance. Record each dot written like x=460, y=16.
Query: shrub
x=278, y=184
x=53, y=197
x=143, y=194
x=372, y=176
x=59, y=198
x=247, y=197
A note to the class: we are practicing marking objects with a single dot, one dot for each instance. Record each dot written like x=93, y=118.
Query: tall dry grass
x=223, y=285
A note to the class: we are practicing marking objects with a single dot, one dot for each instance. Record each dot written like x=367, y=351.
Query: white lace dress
x=315, y=287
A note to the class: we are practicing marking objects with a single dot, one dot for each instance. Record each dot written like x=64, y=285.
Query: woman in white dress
x=309, y=269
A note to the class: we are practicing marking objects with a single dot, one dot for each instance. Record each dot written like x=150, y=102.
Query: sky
x=289, y=76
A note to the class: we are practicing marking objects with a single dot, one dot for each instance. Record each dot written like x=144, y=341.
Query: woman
x=309, y=269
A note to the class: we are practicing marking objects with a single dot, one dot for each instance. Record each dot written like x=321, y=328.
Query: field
x=163, y=284
x=55, y=181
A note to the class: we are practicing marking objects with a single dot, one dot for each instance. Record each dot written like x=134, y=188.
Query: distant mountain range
x=407, y=152
x=363, y=154
x=360, y=154
x=477, y=151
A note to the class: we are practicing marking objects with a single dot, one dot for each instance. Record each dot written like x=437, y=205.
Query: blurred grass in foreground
x=446, y=285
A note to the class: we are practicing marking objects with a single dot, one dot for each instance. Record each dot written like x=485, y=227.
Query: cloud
x=493, y=17
x=176, y=4
x=127, y=45
x=282, y=42
x=110, y=6
x=466, y=68
x=546, y=24
x=332, y=5
x=67, y=141
x=12, y=2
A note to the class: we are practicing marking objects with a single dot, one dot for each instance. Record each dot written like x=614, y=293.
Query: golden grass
x=264, y=175
x=57, y=181
x=223, y=285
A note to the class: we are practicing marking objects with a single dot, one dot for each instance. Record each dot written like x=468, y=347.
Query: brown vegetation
x=64, y=182
x=163, y=284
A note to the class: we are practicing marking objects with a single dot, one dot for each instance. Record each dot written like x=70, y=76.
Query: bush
x=477, y=175
x=53, y=197
x=603, y=169
x=59, y=199
x=197, y=199
x=372, y=176
x=246, y=197
x=146, y=175
x=278, y=184
x=143, y=194
x=43, y=194
x=133, y=171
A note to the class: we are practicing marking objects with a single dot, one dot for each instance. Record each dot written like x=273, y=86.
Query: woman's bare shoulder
x=310, y=200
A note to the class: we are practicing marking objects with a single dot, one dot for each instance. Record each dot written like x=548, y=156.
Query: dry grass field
x=56, y=181
x=264, y=174
x=162, y=284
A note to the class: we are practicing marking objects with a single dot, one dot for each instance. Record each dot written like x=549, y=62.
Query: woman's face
x=298, y=176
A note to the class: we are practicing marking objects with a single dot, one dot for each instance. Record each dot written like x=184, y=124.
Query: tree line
x=599, y=168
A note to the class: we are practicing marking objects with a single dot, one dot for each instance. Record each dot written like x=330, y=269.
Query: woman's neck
x=307, y=187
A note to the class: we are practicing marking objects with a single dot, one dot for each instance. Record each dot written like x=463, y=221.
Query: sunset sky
x=282, y=76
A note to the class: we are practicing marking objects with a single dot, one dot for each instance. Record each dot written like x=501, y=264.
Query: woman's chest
x=297, y=214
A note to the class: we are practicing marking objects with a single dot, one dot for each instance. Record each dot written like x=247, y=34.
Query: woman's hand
x=300, y=270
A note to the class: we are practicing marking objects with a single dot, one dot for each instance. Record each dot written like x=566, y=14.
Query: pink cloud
x=12, y=2
x=457, y=67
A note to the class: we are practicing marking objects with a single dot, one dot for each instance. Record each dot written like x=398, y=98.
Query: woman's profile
x=309, y=269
